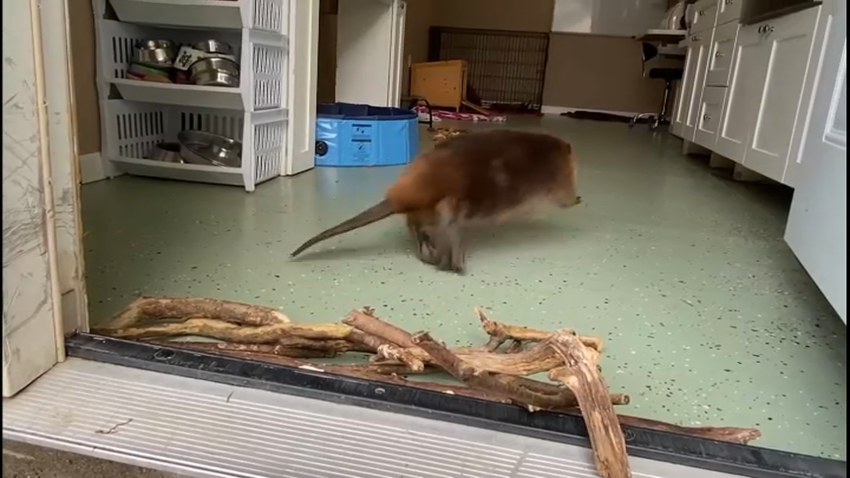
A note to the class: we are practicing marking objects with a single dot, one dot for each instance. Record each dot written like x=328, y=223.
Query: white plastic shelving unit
x=136, y=115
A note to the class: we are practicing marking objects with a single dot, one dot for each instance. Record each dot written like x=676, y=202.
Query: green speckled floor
x=708, y=317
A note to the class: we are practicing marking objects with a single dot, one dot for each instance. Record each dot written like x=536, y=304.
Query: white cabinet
x=786, y=45
x=746, y=90
x=817, y=224
x=741, y=102
x=693, y=82
x=763, y=105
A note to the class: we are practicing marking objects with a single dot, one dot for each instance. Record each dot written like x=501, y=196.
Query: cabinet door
x=708, y=117
x=683, y=93
x=699, y=46
x=787, y=47
x=741, y=104
x=721, y=55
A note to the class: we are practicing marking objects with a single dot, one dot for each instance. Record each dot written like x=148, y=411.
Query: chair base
x=656, y=119
x=653, y=119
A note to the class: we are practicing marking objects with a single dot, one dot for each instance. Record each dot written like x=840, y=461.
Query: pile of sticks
x=442, y=134
x=497, y=371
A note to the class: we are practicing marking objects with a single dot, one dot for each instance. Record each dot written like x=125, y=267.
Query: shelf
x=132, y=129
x=262, y=56
x=186, y=95
x=182, y=172
x=268, y=15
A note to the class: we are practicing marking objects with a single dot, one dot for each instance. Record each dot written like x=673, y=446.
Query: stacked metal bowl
x=217, y=67
x=201, y=148
x=209, y=63
x=153, y=60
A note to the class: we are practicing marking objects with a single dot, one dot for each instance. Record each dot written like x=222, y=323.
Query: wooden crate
x=442, y=83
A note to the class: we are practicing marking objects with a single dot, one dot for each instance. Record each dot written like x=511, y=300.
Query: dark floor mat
x=595, y=116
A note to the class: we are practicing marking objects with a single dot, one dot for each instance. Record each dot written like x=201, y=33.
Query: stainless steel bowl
x=215, y=72
x=213, y=46
x=167, y=152
x=159, y=53
x=201, y=147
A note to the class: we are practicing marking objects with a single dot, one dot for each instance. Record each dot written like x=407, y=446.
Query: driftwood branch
x=581, y=375
x=501, y=333
x=490, y=372
x=535, y=359
x=230, y=332
x=153, y=308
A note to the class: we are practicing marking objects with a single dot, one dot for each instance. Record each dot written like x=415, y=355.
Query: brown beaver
x=480, y=177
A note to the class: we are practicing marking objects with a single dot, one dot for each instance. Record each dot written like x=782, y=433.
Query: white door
x=817, y=226
x=32, y=332
x=370, y=43
x=303, y=61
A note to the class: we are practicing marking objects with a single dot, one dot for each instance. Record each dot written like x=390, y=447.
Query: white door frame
x=397, y=48
x=33, y=328
x=817, y=223
x=303, y=60
x=65, y=164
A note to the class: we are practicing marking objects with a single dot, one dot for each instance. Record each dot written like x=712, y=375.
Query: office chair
x=669, y=75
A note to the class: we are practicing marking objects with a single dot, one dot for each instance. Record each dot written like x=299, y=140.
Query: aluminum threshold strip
x=565, y=428
x=198, y=428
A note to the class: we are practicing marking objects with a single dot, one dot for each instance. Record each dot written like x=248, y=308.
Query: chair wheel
x=653, y=123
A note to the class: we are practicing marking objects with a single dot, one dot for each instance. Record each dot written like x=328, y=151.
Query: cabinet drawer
x=728, y=10
x=720, y=57
x=703, y=15
x=708, y=121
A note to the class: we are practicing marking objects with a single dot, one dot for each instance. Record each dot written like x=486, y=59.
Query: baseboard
x=73, y=315
x=557, y=110
x=92, y=168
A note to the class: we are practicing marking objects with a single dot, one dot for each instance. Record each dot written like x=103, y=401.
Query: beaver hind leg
x=425, y=249
x=422, y=242
x=446, y=237
x=437, y=240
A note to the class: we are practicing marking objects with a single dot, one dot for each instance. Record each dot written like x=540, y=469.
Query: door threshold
x=199, y=428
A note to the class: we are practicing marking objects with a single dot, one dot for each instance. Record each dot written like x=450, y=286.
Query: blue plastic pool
x=363, y=135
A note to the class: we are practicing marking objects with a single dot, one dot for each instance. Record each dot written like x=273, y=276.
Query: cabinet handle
x=718, y=54
x=696, y=38
x=702, y=13
x=766, y=29
x=729, y=2
x=706, y=117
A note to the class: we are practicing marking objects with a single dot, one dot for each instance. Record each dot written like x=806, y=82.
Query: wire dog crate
x=504, y=67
